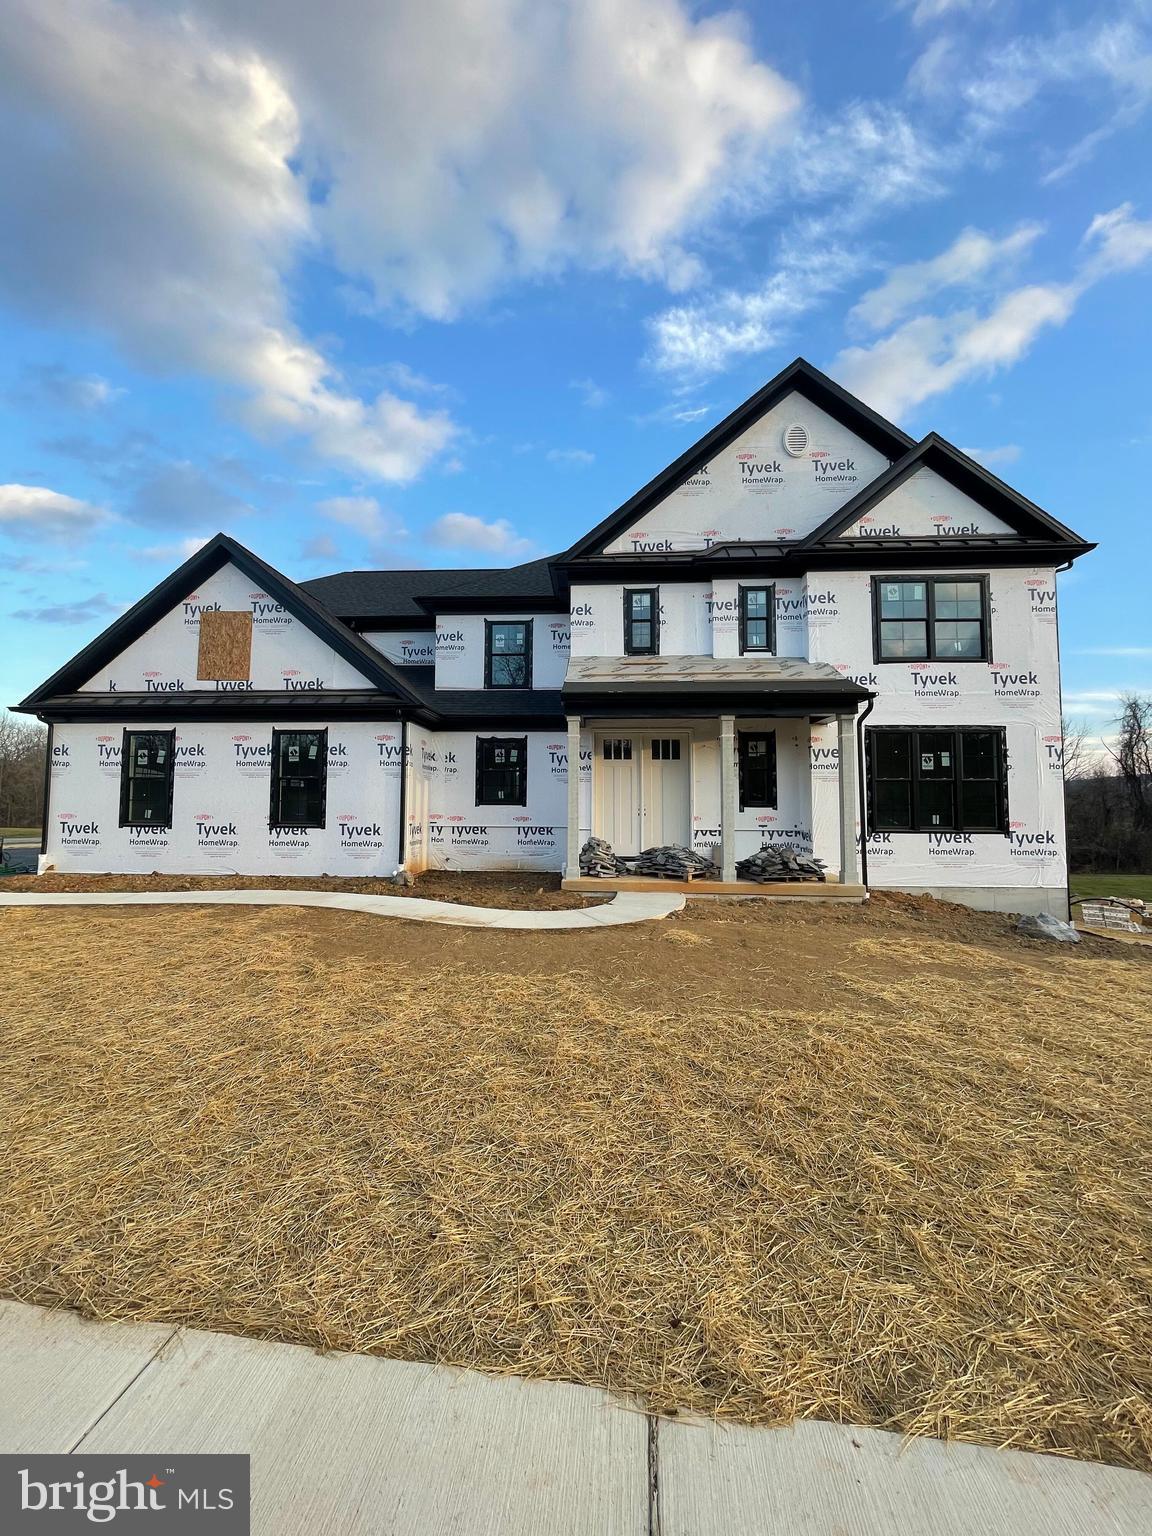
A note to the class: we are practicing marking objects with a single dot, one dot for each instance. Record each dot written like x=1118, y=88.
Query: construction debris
x=779, y=862
x=598, y=861
x=1042, y=925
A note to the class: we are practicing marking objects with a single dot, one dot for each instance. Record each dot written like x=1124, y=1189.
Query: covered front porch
x=722, y=757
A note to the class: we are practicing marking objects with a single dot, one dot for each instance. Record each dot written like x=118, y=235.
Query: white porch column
x=572, y=860
x=849, y=853
x=727, y=797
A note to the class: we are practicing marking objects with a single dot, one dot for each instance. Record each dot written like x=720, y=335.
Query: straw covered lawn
x=885, y=1165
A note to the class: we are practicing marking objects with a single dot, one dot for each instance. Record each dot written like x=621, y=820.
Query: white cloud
x=319, y=547
x=460, y=530
x=592, y=394
x=1007, y=453
x=930, y=354
x=1116, y=650
x=34, y=512
x=173, y=146
x=971, y=257
x=924, y=12
x=174, y=554
x=365, y=516
x=577, y=458
x=79, y=612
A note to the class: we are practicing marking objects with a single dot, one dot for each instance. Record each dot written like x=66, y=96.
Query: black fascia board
x=730, y=686
x=961, y=471
x=204, y=706
x=801, y=376
x=211, y=557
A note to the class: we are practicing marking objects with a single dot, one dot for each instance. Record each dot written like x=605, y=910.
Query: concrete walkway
x=351, y=1445
x=627, y=908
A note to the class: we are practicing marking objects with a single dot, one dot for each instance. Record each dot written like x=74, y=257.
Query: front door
x=666, y=794
x=641, y=791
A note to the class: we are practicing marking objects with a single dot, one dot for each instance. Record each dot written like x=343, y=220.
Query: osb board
x=225, y=646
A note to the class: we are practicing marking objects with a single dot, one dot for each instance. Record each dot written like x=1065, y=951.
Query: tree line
x=23, y=744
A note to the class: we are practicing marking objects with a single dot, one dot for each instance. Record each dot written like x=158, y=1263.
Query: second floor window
x=299, y=778
x=932, y=618
x=508, y=655
x=146, y=763
x=757, y=618
x=641, y=621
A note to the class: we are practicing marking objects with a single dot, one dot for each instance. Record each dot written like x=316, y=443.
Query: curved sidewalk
x=628, y=907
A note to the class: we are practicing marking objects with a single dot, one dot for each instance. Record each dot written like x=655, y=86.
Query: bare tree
x=1132, y=754
x=1074, y=754
x=23, y=744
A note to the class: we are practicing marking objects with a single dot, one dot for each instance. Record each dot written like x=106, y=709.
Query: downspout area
x=402, y=850
x=862, y=789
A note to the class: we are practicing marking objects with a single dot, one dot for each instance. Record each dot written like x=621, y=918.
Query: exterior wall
x=791, y=615
x=286, y=655
x=926, y=506
x=753, y=489
x=1018, y=689
x=404, y=647
x=220, y=803
x=460, y=647
x=686, y=618
x=448, y=830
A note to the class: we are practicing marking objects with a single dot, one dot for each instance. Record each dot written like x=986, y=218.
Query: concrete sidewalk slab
x=814, y=1479
x=346, y=1445
x=631, y=908
x=59, y=1373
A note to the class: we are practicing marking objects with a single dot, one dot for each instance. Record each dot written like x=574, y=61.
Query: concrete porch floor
x=776, y=890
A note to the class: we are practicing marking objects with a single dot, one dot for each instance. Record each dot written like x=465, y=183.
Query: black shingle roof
x=396, y=594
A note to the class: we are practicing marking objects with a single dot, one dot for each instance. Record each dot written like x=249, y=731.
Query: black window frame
x=932, y=655
x=769, y=591
x=489, y=626
x=277, y=823
x=958, y=733
x=631, y=649
x=746, y=800
x=483, y=742
x=126, y=778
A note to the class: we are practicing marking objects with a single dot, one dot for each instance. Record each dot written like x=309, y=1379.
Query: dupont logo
x=561, y=637
x=1054, y=753
x=390, y=753
x=645, y=544
x=417, y=653
x=758, y=472
x=203, y=1493
x=1041, y=598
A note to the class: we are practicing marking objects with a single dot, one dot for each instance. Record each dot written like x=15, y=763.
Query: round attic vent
x=795, y=439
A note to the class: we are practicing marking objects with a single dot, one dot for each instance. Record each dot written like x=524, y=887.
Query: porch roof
x=760, y=675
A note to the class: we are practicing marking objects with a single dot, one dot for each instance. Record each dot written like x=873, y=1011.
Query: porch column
x=727, y=797
x=572, y=861
x=849, y=853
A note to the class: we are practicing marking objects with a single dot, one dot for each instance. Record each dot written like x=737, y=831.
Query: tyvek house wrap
x=448, y=830
x=287, y=657
x=1019, y=689
x=220, y=804
x=755, y=489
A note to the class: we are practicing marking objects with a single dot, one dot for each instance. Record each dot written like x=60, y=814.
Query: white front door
x=641, y=790
x=666, y=795
x=616, y=791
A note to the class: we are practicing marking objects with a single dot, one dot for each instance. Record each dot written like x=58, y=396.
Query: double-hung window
x=501, y=770
x=757, y=619
x=146, y=763
x=757, y=762
x=930, y=780
x=508, y=654
x=299, y=778
x=641, y=621
x=930, y=618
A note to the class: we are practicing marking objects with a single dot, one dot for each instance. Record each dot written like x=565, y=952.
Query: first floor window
x=508, y=655
x=931, y=618
x=930, y=780
x=501, y=770
x=757, y=759
x=146, y=778
x=299, y=778
x=641, y=621
x=757, y=617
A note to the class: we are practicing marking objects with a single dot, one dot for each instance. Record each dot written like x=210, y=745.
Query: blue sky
x=431, y=288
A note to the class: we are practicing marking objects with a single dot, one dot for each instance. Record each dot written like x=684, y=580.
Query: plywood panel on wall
x=225, y=653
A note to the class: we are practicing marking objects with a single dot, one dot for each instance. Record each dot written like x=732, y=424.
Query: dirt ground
x=885, y=1164
x=528, y=890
